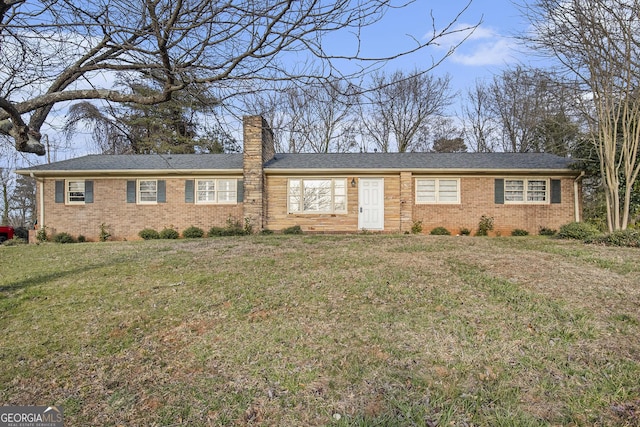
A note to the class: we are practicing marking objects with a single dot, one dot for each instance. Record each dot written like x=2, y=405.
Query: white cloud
x=484, y=46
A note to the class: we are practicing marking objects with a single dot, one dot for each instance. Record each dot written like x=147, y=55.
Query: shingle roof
x=311, y=161
x=131, y=162
x=414, y=161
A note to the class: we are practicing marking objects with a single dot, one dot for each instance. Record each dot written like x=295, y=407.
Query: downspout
x=41, y=210
x=576, y=198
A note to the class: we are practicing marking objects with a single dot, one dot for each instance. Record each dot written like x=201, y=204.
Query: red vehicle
x=6, y=233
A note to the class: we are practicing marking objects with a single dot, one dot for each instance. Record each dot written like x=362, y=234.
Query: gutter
x=576, y=198
x=430, y=171
x=41, y=194
x=128, y=172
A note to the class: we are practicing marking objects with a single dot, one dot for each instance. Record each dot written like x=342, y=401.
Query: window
x=437, y=190
x=525, y=191
x=148, y=191
x=216, y=191
x=75, y=192
x=318, y=195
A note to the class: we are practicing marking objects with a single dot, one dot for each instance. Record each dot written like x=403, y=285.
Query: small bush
x=104, y=232
x=192, y=233
x=578, y=231
x=63, y=238
x=21, y=232
x=41, y=235
x=416, y=228
x=169, y=233
x=440, y=231
x=628, y=238
x=519, y=232
x=14, y=242
x=216, y=232
x=149, y=234
x=544, y=231
x=235, y=228
x=296, y=229
x=485, y=225
x=465, y=232
x=266, y=231
x=81, y=239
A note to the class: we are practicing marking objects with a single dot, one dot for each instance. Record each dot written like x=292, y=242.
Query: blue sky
x=487, y=51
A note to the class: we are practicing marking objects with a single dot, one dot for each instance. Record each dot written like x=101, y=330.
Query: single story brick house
x=381, y=192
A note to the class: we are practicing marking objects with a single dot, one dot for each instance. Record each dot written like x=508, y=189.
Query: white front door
x=371, y=204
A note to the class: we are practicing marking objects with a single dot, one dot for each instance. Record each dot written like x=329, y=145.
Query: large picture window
x=526, y=191
x=216, y=191
x=437, y=190
x=316, y=195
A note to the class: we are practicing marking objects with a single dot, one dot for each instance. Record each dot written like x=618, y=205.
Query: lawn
x=359, y=330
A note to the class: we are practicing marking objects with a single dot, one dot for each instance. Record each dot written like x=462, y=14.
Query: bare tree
x=399, y=107
x=325, y=117
x=480, y=127
x=522, y=110
x=6, y=184
x=598, y=43
x=63, y=50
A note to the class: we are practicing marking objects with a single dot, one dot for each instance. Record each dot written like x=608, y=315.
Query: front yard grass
x=356, y=330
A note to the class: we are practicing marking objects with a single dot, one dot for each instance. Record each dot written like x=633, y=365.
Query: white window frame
x=68, y=192
x=528, y=193
x=437, y=196
x=139, y=192
x=337, y=196
x=231, y=192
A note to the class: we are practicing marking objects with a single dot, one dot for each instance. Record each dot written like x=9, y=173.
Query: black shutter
x=162, y=191
x=131, y=191
x=88, y=191
x=189, y=191
x=556, y=191
x=59, y=191
x=499, y=191
x=240, y=191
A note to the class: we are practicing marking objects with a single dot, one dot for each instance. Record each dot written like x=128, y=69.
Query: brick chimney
x=258, y=149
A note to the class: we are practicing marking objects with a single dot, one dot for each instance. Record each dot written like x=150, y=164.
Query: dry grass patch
x=324, y=330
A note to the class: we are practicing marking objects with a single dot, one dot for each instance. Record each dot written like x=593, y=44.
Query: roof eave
x=125, y=172
x=431, y=171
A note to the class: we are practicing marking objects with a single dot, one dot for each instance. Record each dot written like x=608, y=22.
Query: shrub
x=519, y=232
x=465, y=232
x=63, y=238
x=81, y=239
x=104, y=232
x=544, y=231
x=14, y=242
x=21, y=232
x=440, y=231
x=578, y=231
x=149, y=234
x=416, y=228
x=41, y=235
x=216, y=232
x=235, y=228
x=628, y=238
x=169, y=233
x=485, y=225
x=266, y=231
x=192, y=232
x=296, y=229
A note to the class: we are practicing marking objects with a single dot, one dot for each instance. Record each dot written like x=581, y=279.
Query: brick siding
x=125, y=220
